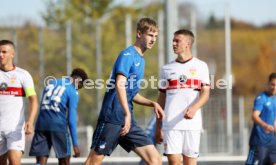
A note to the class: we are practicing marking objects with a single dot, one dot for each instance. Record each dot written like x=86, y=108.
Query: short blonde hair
x=146, y=24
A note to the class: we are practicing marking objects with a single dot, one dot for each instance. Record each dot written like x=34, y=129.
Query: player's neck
x=269, y=93
x=7, y=67
x=184, y=57
x=139, y=49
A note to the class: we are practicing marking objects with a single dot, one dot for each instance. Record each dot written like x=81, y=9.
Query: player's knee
x=14, y=162
x=94, y=158
x=155, y=160
x=174, y=162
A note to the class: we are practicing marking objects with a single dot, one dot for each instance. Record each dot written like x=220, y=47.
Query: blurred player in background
x=185, y=89
x=116, y=124
x=58, y=111
x=15, y=83
x=262, y=140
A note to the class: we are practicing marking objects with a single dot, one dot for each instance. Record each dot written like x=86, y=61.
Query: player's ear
x=139, y=33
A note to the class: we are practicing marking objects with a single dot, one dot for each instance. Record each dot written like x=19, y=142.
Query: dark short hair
x=272, y=76
x=78, y=72
x=7, y=42
x=186, y=32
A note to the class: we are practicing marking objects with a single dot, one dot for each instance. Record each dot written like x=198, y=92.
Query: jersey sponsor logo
x=189, y=83
x=182, y=78
x=13, y=91
x=127, y=54
x=137, y=64
x=268, y=103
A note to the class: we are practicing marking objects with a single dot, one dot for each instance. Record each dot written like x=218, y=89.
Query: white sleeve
x=205, y=74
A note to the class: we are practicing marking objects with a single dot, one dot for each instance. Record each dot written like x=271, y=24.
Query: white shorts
x=12, y=140
x=185, y=142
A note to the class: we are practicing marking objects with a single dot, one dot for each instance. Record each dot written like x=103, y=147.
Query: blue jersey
x=267, y=106
x=58, y=107
x=130, y=64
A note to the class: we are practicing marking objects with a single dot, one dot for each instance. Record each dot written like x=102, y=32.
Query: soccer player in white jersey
x=184, y=89
x=15, y=83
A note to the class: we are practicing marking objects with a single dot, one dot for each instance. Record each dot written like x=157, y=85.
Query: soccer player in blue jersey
x=262, y=140
x=116, y=124
x=58, y=111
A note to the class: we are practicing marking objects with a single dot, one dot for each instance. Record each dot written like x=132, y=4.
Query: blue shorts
x=261, y=155
x=106, y=137
x=44, y=140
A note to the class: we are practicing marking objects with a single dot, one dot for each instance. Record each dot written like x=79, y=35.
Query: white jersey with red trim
x=182, y=83
x=12, y=85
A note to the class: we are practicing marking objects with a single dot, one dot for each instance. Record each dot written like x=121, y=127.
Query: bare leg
x=189, y=160
x=4, y=159
x=64, y=161
x=149, y=154
x=42, y=160
x=174, y=159
x=94, y=158
x=14, y=157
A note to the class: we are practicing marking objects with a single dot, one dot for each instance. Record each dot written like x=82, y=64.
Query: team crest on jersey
x=13, y=79
x=182, y=78
x=192, y=71
x=3, y=86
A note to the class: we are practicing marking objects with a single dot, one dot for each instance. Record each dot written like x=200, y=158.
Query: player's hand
x=127, y=125
x=76, y=151
x=29, y=128
x=159, y=112
x=268, y=128
x=158, y=136
x=189, y=113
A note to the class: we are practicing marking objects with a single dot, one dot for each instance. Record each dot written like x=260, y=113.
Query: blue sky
x=258, y=12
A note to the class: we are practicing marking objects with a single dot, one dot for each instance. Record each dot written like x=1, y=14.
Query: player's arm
x=138, y=99
x=203, y=98
x=33, y=109
x=122, y=96
x=72, y=122
x=158, y=131
x=275, y=126
x=28, y=85
x=256, y=119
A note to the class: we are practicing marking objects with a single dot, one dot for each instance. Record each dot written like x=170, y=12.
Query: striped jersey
x=182, y=83
x=14, y=85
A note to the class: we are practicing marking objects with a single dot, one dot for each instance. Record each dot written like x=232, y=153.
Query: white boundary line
x=137, y=159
